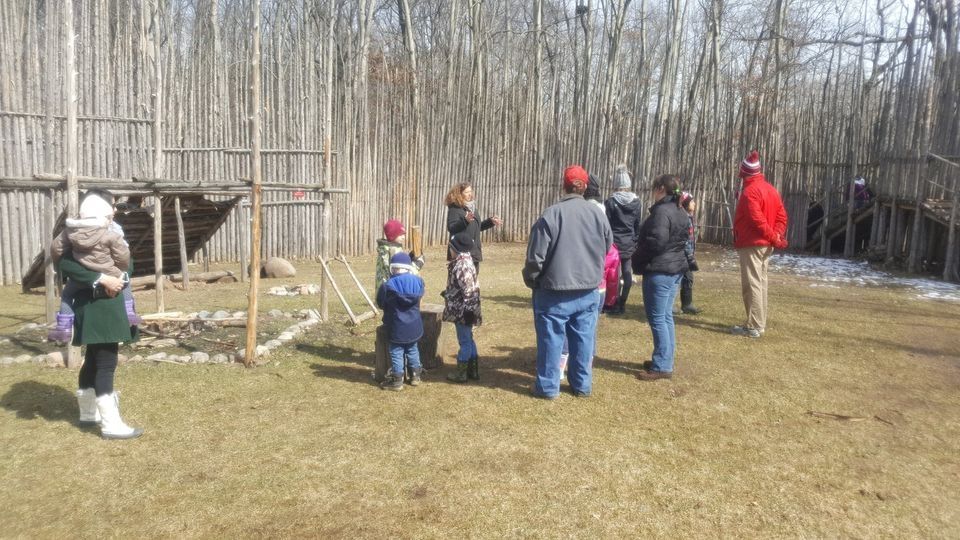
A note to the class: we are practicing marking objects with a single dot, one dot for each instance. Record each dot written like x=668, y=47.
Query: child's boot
x=473, y=368
x=394, y=382
x=135, y=320
x=112, y=425
x=415, y=376
x=87, y=402
x=460, y=376
x=63, y=332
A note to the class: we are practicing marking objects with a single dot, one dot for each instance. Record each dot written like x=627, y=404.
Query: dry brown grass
x=307, y=446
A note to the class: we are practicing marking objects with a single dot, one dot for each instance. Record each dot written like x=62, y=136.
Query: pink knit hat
x=393, y=229
x=750, y=165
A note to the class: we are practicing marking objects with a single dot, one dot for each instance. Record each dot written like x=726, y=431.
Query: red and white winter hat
x=750, y=165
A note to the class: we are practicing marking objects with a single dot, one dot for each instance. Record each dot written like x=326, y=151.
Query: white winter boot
x=111, y=425
x=87, y=401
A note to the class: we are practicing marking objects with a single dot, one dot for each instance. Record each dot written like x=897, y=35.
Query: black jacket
x=624, y=222
x=662, y=239
x=457, y=223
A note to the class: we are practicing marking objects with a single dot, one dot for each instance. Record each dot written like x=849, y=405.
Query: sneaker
x=415, y=376
x=746, y=332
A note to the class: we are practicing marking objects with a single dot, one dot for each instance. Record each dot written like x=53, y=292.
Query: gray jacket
x=567, y=246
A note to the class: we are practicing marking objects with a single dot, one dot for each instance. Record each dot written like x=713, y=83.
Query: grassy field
x=307, y=445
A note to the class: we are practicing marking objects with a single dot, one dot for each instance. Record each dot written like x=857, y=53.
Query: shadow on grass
x=699, y=324
x=511, y=300
x=32, y=400
x=355, y=365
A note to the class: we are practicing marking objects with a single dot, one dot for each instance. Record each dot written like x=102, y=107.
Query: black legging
x=99, y=364
x=626, y=276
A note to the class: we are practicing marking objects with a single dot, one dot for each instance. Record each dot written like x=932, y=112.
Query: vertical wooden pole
x=244, y=235
x=74, y=359
x=416, y=240
x=158, y=249
x=49, y=277
x=950, y=270
x=182, y=239
x=49, y=163
x=157, y=158
x=327, y=167
x=255, y=190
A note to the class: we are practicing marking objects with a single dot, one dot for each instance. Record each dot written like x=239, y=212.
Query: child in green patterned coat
x=392, y=243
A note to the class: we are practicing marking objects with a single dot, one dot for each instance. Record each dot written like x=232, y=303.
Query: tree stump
x=432, y=345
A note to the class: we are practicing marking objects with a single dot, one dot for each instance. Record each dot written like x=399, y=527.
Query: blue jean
x=398, y=351
x=468, y=347
x=566, y=344
x=570, y=314
x=659, y=292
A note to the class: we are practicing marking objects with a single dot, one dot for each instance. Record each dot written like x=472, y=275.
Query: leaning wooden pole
x=256, y=174
x=74, y=358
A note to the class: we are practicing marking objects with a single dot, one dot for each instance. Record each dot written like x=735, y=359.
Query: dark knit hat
x=750, y=165
x=461, y=243
x=593, y=188
x=401, y=261
x=393, y=229
x=573, y=174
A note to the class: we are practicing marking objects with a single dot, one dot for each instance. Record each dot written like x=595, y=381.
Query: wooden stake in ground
x=158, y=249
x=255, y=190
x=416, y=240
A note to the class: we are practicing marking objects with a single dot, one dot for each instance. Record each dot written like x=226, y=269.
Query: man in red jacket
x=759, y=226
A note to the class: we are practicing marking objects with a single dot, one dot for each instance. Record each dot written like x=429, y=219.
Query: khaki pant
x=754, y=262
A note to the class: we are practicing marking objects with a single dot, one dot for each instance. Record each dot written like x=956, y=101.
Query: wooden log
x=431, y=355
x=158, y=250
x=363, y=291
x=416, y=240
x=333, y=283
x=182, y=239
x=255, y=191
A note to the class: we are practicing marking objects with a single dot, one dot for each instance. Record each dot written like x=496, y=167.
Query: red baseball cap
x=574, y=173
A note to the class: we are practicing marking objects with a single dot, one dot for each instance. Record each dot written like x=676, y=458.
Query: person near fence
x=462, y=306
x=462, y=218
x=759, y=226
x=689, y=204
x=392, y=243
x=101, y=324
x=399, y=298
x=624, y=214
x=97, y=242
x=661, y=259
x=564, y=264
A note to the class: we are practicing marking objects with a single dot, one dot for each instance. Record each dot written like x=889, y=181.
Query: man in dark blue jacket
x=564, y=266
x=400, y=298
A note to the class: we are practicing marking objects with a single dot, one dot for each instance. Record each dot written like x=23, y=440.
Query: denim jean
x=468, y=347
x=566, y=344
x=398, y=351
x=659, y=292
x=570, y=314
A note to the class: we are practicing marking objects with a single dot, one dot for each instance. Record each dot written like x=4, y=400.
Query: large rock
x=277, y=267
x=219, y=359
x=163, y=343
x=55, y=359
x=275, y=313
x=22, y=359
x=198, y=357
x=157, y=356
x=220, y=314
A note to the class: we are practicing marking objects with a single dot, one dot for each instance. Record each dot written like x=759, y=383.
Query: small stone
x=198, y=357
x=29, y=326
x=242, y=353
x=285, y=337
x=239, y=314
x=273, y=344
x=203, y=315
x=275, y=313
x=295, y=330
x=122, y=358
x=136, y=358
x=288, y=315
x=163, y=343
x=22, y=359
x=39, y=359
x=221, y=314
x=6, y=360
x=55, y=359
x=310, y=289
x=309, y=322
x=219, y=359
x=4, y=341
x=262, y=350
x=278, y=291
x=157, y=356
x=227, y=279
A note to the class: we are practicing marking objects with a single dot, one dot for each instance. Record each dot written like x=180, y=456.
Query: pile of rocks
x=306, y=289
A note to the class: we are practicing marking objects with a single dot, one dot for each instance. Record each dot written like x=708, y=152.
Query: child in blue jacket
x=399, y=298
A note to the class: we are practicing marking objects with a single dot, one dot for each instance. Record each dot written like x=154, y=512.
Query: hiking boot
x=461, y=375
x=647, y=375
x=691, y=310
x=473, y=368
x=393, y=381
x=745, y=331
x=62, y=333
x=415, y=376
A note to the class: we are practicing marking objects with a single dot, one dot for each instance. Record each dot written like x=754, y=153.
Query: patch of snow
x=831, y=272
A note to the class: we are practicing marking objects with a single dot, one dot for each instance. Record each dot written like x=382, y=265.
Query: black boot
x=473, y=368
x=415, y=376
x=393, y=381
x=686, y=300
